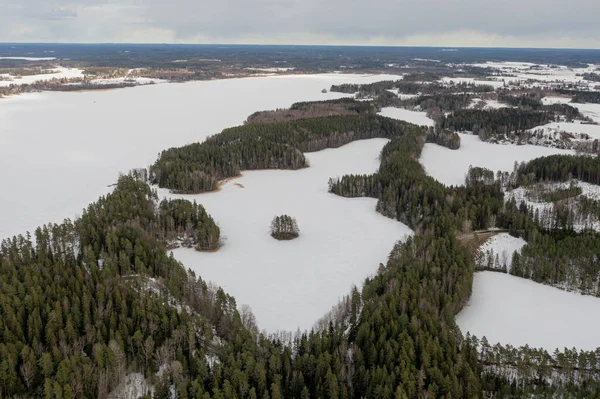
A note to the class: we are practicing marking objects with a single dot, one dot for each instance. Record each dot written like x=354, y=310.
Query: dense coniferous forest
x=314, y=109
x=488, y=123
x=579, y=96
x=198, y=167
x=409, y=87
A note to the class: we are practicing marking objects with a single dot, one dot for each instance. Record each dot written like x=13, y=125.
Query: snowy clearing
x=545, y=209
x=84, y=139
x=486, y=104
x=494, y=83
x=500, y=248
x=511, y=310
x=291, y=284
x=416, y=117
x=577, y=129
x=450, y=166
x=57, y=73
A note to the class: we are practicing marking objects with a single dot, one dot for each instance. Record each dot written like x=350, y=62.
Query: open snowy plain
x=451, y=166
x=516, y=311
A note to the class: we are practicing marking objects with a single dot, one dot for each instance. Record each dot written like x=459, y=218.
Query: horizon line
x=296, y=45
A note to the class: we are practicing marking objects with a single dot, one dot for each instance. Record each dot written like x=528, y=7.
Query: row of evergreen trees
x=198, y=167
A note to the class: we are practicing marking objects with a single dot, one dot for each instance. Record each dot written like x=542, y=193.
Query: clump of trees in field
x=284, y=227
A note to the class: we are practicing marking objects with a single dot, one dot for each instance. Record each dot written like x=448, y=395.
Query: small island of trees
x=284, y=227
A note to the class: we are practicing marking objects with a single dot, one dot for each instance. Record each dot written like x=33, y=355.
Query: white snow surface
x=511, y=310
x=504, y=245
x=588, y=190
x=84, y=139
x=575, y=128
x=451, y=166
x=29, y=58
x=494, y=83
x=416, y=117
x=489, y=104
x=133, y=386
x=57, y=73
x=291, y=284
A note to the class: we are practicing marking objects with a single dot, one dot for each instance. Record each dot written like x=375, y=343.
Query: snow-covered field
x=416, y=117
x=291, y=284
x=500, y=247
x=487, y=104
x=451, y=166
x=83, y=140
x=577, y=129
x=57, y=73
x=516, y=311
x=539, y=75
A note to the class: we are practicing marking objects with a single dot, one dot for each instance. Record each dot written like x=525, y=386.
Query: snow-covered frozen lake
x=511, y=310
x=416, y=117
x=451, y=166
x=291, y=284
x=60, y=151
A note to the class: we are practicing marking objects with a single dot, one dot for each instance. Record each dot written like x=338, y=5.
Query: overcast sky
x=510, y=23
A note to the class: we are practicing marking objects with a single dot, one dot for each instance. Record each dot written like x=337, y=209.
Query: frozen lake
x=60, y=151
x=516, y=311
x=291, y=284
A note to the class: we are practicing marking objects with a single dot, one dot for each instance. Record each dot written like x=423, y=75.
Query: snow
x=570, y=127
x=57, y=73
x=450, y=166
x=494, y=83
x=29, y=58
x=506, y=65
x=588, y=190
x=82, y=140
x=291, y=284
x=137, y=80
x=511, y=310
x=272, y=69
x=503, y=245
x=489, y=104
x=555, y=100
x=416, y=117
x=590, y=110
x=133, y=386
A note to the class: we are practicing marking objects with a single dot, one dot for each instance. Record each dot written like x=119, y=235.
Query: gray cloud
x=547, y=23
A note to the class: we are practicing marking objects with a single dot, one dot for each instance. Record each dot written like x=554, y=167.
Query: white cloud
x=510, y=23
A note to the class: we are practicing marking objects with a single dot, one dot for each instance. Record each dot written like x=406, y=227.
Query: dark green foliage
x=445, y=138
x=489, y=123
x=592, y=77
x=314, y=109
x=78, y=310
x=421, y=77
x=436, y=104
x=578, y=96
x=191, y=224
x=284, y=227
x=560, y=168
x=198, y=167
x=569, y=261
x=530, y=101
x=380, y=89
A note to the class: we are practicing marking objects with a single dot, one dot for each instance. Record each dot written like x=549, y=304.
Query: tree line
x=198, y=167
